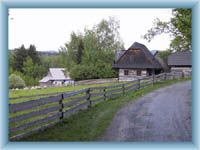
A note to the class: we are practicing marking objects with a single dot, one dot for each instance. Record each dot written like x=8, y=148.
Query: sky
x=49, y=29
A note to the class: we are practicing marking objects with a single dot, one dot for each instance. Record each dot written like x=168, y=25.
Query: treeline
x=27, y=66
x=88, y=55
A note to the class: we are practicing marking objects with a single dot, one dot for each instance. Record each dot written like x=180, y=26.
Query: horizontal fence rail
x=31, y=116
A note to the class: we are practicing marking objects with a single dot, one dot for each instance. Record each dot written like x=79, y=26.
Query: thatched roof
x=137, y=56
x=180, y=59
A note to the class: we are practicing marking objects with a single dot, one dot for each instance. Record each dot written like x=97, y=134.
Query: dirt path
x=163, y=115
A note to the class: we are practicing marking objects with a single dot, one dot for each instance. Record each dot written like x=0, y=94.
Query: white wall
x=132, y=75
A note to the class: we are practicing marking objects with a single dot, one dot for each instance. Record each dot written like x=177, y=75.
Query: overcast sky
x=49, y=29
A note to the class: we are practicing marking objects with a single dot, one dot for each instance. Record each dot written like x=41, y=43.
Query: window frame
x=126, y=72
x=139, y=72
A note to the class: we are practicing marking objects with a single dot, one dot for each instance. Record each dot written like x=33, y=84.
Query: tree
x=33, y=54
x=83, y=72
x=108, y=35
x=11, y=62
x=75, y=48
x=32, y=72
x=16, y=81
x=19, y=58
x=28, y=67
x=179, y=27
x=91, y=54
x=101, y=42
x=164, y=54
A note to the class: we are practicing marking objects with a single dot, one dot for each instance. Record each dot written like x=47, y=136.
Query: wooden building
x=56, y=77
x=180, y=61
x=136, y=62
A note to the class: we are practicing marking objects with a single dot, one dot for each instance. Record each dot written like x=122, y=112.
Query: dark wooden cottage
x=180, y=61
x=136, y=62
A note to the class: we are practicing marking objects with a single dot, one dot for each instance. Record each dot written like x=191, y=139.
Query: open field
x=90, y=124
x=25, y=95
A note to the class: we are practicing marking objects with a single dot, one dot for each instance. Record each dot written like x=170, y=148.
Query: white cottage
x=56, y=77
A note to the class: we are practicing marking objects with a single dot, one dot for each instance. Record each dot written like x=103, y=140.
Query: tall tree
x=102, y=41
x=179, y=27
x=33, y=54
x=108, y=35
x=28, y=67
x=11, y=61
x=19, y=58
x=75, y=47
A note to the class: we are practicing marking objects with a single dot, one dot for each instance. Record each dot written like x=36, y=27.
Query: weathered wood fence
x=29, y=117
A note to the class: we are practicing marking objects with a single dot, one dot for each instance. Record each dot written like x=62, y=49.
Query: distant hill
x=42, y=53
x=48, y=53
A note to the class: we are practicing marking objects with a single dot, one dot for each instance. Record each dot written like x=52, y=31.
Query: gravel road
x=162, y=116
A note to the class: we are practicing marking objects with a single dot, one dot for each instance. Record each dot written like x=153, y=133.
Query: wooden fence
x=29, y=117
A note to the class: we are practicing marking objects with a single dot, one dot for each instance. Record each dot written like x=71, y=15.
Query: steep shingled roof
x=55, y=74
x=137, y=56
x=180, y=59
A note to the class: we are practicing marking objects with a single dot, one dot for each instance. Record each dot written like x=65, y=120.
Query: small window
x=125, y=72
x=139, y=72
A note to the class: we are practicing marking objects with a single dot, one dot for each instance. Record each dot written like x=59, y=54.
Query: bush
x=16, y=81
x=30, y=81
x=84, y=72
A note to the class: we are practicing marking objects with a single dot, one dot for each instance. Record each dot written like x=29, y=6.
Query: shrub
x=84, y=72
x=16, y=81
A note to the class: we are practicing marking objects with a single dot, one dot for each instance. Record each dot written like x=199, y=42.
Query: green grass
x=35, y=92
x=90, y=124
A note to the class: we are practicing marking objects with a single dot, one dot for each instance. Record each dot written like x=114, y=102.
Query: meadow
x=21, y=95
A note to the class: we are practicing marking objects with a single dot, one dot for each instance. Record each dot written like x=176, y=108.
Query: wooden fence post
x=153, y=79
x=165, y=77
x=62, y=106
x=182, y=74
x=138, y=83
x=88, y=97
x=123, y=88
x=173, y=75
x=104, y=94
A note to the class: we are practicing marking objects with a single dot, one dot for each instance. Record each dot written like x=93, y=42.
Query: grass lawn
x=35, y=92
x=90, y=124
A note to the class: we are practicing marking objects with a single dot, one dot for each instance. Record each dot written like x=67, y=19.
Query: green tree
x=164, y=54
x=83, y=72
x=91, y=51
x=107, y=34
x=29, y=71
x=16, y=81
x=102, y=41
x=28, y=67
x=75, y=48
x=33, y=54
x=19, y=58
x=179, y=27
x=90, y=54
x=11, y=62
